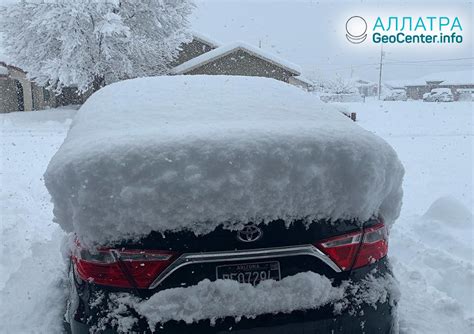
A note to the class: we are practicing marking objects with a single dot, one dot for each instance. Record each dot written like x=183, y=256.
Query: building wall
x=42, y=98
x=243, y=63
x=191, y=50
x=26, y=84
x=8, y=95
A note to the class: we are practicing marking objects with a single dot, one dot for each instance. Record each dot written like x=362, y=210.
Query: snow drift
x=193, y=152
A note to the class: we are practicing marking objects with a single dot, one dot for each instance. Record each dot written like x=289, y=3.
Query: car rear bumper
x=368, y=319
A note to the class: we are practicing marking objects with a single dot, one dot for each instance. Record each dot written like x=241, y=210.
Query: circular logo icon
x=250, y=233
x=356, y=29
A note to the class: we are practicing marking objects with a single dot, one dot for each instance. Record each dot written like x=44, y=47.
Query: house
x=239, y=58
x=198, y=45
x=366, y=88
x=460, y=82
x=18, y=93
x=201, y=55
x=302, y=82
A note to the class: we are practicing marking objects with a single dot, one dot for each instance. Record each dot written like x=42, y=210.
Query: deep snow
x=431, y=245
x=194, y=152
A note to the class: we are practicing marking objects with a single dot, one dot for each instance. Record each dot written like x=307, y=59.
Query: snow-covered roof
x=3, y=71
x=230, y=48
x=446, y=78
x=304, y=79
x=195, y=152
x=205, y=39
x=396, y=83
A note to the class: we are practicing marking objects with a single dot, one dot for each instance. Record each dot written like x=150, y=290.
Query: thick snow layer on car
x=194, y=152
x=226, y=298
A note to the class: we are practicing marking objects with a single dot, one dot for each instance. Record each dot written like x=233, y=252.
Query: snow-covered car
x=439, y=95
x=209, y=204
x=396, y=95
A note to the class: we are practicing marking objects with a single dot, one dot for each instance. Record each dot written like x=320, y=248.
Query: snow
x=205, y=39
x=431, y=245
x=230, y=48
x=227, y=298
x=441, y=90
x=3, y=70
x=151, y=155
x=224, y=298
x=32, y=270
x=465, y=77
x=125, y=40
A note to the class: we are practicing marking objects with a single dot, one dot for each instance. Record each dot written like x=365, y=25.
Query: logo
x=356, y=29
x=249, y=233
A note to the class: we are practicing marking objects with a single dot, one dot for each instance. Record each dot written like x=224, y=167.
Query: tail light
x=124, y=268
x=357, y=249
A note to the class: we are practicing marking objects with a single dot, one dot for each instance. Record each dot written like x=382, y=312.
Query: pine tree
x=91, y=43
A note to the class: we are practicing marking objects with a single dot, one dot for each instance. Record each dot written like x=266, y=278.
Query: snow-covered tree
x=340, y=85
x=91, y=43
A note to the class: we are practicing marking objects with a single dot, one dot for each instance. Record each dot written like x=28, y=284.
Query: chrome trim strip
x=242, y=255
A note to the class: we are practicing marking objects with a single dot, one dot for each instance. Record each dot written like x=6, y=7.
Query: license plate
x=252, y=273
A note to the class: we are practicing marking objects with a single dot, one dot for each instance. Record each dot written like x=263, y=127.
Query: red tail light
x=122, y=268
x=357, y=249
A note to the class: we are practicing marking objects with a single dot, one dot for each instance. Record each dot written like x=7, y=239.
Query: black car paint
x=276, y=234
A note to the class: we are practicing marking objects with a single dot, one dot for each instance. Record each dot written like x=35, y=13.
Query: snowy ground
x=432, y=250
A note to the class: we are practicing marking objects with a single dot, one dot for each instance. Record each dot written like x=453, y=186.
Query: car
x=439, y=95
x=247, y=211
x=396, y=95
x=159, y=262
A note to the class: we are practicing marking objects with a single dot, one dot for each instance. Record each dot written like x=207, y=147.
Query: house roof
x=3, y=70
x=446, y=78
x=7, y=66
x=230, y=48
x=205, y=39
x=305, y=80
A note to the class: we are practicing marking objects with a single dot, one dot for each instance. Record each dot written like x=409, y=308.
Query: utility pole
x=380, y=70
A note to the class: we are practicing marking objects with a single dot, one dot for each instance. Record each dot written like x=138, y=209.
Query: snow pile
x=194, y=152
x=226, y=298
x=450, y=211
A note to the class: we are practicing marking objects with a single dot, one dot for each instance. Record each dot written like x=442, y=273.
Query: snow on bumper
x=225, y=298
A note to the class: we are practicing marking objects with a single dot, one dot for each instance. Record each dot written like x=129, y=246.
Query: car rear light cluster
x=123, y=268
x=357, y=249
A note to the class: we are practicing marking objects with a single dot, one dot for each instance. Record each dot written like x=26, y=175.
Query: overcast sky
x=311, y=34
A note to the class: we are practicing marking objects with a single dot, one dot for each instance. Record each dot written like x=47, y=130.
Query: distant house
x=17, y=93
x=201, y=55
x=366, y=88
x=197, y=46
x=239, y=58
x=460, y=82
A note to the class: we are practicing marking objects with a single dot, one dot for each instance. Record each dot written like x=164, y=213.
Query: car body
x=195, y=258
x=253, y=220
x=396, y=95
x=439, y=95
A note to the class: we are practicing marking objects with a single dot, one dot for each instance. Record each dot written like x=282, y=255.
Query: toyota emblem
x=250, y=233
